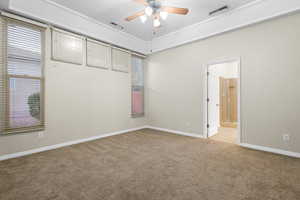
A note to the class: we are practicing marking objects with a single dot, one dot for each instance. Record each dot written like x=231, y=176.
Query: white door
x=214, y=100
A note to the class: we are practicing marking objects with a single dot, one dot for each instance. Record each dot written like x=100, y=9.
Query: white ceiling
x=107, y=11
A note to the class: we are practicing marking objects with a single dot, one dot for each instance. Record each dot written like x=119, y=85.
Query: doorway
x=223, y=101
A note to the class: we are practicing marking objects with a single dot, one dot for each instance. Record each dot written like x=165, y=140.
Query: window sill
x=137, y=115
x=22, y=130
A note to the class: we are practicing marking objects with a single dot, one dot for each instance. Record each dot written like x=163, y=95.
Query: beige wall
x=81, y=102
x=270, y=68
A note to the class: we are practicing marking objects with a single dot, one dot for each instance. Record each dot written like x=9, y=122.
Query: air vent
x=218, y=10
x=117, y=26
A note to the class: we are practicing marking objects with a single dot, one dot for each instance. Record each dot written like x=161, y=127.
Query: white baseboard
x=176, y=132
x=272, y=150
x=56, y=146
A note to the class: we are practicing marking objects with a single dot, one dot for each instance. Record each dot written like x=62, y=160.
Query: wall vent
x=219, y=10
x=117, y=26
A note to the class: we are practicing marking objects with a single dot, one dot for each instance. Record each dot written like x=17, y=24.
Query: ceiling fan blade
x=144, y=2
x=136, y=15
x=174, y=10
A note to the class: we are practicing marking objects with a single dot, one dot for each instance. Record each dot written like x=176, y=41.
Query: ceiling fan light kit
x=143, y=18
x=164, y=15
x=155, y=10
x=156, y=22
x=149, y=11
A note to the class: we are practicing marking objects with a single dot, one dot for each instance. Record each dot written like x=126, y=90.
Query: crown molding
x=252, y=13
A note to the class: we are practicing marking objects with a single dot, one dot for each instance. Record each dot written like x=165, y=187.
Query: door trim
x=205, y=96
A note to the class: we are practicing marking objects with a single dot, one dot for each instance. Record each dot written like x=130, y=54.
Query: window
x=23, y=78
x=120, y=60
x=97, y=54
x=67, y=47
x=137, y=87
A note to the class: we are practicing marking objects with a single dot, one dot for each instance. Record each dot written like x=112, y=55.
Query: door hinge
x=207, y=73
x=207, y=125
x=207, y=99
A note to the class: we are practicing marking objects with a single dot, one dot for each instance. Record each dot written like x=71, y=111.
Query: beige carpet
x=226, y=135
x=151, y=165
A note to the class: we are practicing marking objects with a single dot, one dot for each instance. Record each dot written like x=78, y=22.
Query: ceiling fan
x=155, y=10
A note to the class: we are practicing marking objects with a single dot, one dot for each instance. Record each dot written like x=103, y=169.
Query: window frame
x=69, y=34
x=7, y=129
x=137, y=115
x=116, y=68
x=108, y=54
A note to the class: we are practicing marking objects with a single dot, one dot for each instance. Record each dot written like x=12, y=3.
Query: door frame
x=205, y=96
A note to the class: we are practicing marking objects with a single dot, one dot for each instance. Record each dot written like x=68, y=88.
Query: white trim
x=205, y=96
x=120, y=49
x=272, y=150
x=176, y=132
x=98, y=42
x=67, y=33
x=56, y=146
x=138, y=55
x=23, y=19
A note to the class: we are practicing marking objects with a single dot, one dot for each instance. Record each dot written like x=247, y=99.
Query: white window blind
x=137, y=89
x=120, y=60
x=2, y=76
x=67, y=47
x=97, y=54
x=22, y=79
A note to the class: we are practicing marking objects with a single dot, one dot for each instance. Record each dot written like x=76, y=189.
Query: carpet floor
x=151, y=165
x=226, y=135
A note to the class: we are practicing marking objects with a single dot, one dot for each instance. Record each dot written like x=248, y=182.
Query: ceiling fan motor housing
x=155, y=5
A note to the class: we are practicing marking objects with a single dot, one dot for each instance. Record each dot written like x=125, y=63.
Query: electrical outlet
x=286, y=137
x=41, y=134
